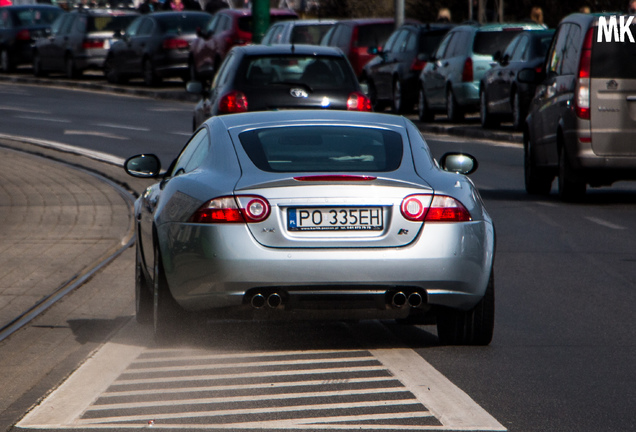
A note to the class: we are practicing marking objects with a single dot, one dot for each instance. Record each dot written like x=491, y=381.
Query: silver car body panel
x=215, y=266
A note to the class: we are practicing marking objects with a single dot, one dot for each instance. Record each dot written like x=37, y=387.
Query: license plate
x=335, y=219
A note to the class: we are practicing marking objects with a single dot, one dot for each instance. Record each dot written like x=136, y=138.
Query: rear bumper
x=215, y=267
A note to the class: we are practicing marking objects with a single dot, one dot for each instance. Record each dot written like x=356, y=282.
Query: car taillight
x=447, y=209
x=175, y=43
x=414, y=207
x=417, y=65
x=23, y=35
x=582, y=99
x=92, y=43
x=233, y=102
x=358, y=102
x=467, y=72
x=227, y=209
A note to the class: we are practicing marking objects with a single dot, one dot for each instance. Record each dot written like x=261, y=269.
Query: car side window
x=193, y=154
x=455, y=45
x=411, y=42
x=555, y=56
x=521, y=49
x=400, y=41
x=222, y=75
x=388, y=46
x=133, y=28
x=56, y=26
x=571, y=51
x=443, y=45
x=224, y=24
x=66, y=26
x=145, y=29
x=213, y=24
x=510, y=49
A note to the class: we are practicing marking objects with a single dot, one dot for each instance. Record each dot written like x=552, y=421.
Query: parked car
x=310, y=32
x=262, y=77
x=356, y=36
x=20, y=26
x=581, y=121
x=78, y=41
x=502, y=96
x=230, y=27
x=392, y=76
x=154, y=46
x=450, y=83
x=314, y=214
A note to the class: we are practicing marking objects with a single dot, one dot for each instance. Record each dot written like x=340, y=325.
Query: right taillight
x=359, y=102
x=467, y=72
x=228, y=209
x=447, y=209
x=233, y=102
x=582, y=99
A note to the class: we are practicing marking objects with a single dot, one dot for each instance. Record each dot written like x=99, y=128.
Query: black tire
x=453, y=110
x=70, y=68
x=397, y=105
x=537, y=181
x=167, y=314
x=143, y=295
x=150, y=76
x=6, y=63
x=424, y=113
x=38, y=70
x=488, y=120
x=472, y=327
x=571, y=189
x=192, y=70
x=518, y=112
x=373, y=96
x=111, y=73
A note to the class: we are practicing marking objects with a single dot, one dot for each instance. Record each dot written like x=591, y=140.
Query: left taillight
x=23, y=35
x=228, y=209
x=93, y=43
x=233, y=102
x=358, y=102
x=467, y=72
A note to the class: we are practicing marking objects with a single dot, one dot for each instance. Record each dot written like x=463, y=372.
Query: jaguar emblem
x=298, y=93
x=612, y=85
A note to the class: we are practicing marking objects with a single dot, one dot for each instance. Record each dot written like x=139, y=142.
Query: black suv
x=392, y=76
x=581, y=120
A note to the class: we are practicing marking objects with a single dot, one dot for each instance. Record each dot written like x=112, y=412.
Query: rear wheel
x=487, y=120
x=570, y=188
x=6, y=65
x=150, y=76
x=38, y=70
x=111, y=73
x=453, y=110
x=71, y=68
x=398, y=99
x=373, y=96
x=143, y=295
x=537, y=181
x=518, y=112
x=472, y=327
x=423, y=111
x=167, y=314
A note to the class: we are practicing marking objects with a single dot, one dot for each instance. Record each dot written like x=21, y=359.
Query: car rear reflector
x=233, y=102
x=358, y=102
x=335, y=178
x=447, y=209
x=227, y=210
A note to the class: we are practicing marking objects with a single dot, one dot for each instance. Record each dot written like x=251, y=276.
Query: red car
x=228, y=28
x=355, y=36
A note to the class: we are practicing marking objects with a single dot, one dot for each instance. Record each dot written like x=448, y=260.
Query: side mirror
x=143, y=166
x=197, y=88
x=460, y=163
x=373, y=50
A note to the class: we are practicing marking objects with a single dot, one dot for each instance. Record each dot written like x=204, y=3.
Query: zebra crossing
x=323, y=389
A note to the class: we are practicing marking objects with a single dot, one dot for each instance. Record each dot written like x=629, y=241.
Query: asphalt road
x=565, y=275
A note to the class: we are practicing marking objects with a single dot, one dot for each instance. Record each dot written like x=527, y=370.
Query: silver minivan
x=581, y=121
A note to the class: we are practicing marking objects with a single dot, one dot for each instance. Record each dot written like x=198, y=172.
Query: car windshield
x=309, y=34
x=373, y=35
x=323, y=149
x=616, y=60
x=322, y=72
x=489, y=42
x=178, y=24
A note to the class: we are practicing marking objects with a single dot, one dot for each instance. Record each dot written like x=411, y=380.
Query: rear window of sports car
x=323, y=149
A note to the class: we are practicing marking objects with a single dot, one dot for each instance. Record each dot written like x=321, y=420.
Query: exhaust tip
x=399, y=299
x=274, y=300
x=415, y=299
x=258, y=301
